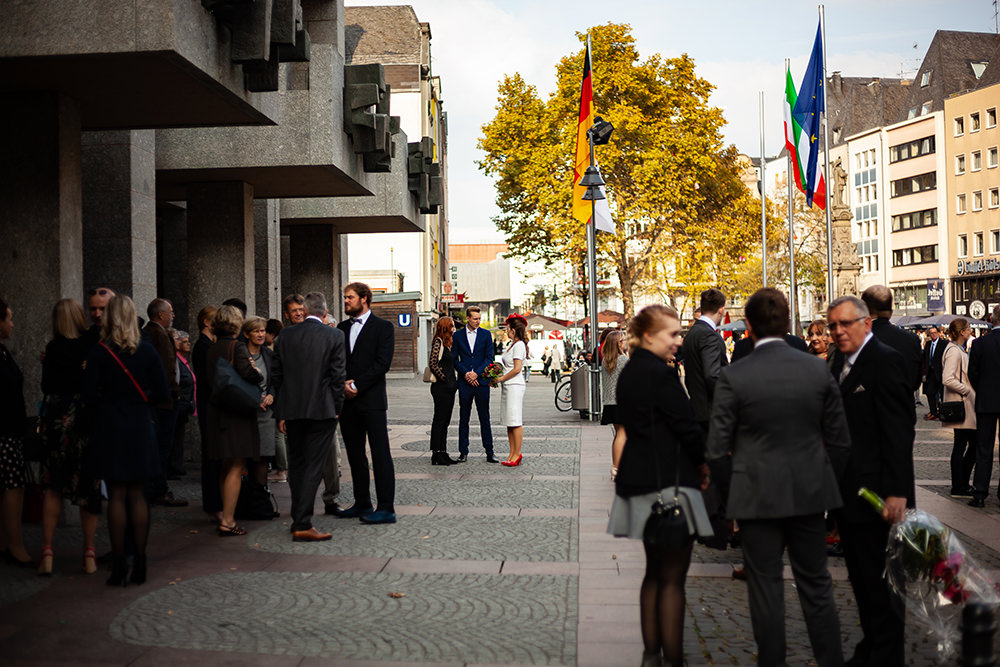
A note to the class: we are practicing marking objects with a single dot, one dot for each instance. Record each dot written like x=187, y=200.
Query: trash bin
x=580, y=388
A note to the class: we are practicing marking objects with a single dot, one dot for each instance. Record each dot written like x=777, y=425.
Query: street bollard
x=978, y=627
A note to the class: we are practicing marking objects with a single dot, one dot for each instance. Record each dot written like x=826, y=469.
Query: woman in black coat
x=442, y=365
x=13, y=418
x=664, y=446
x=232, y=436
x=124, y=380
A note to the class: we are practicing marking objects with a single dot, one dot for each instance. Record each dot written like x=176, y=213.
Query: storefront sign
x=935, y=295
x=978, y=266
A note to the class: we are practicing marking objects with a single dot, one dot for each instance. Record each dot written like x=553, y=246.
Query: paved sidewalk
x=487, y=566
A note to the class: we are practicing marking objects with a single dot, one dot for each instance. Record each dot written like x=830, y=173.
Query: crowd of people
x=770, y=445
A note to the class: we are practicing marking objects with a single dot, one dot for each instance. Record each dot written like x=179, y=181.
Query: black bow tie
x=355, y=320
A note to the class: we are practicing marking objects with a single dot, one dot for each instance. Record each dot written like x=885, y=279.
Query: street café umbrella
x=738, y=325
x=944, y=320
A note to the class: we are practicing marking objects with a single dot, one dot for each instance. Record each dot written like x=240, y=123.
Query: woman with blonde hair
x=818, y=338
x=64, y=473
x=956, y=387
x=664, y=445
x=124, y=380
x=233, y=437
x=614, y=360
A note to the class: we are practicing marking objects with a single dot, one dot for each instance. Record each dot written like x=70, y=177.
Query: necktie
x=355, y=320
x=846, y=371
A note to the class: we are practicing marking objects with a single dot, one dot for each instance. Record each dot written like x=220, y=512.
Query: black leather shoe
x=492, y=459
x=354, y=512
x=332, y=508
x=977, y=502
x=462, y=458
x=441, y=459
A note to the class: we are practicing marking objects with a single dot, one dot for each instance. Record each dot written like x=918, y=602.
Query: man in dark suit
x=308, y=378
x=878, y=400
x=984, y=375
x=161, y=317
x=933, y=365
x=878, y=298
x=370, y=345
x=705, y=355
x=780, y=415
x=473, y=350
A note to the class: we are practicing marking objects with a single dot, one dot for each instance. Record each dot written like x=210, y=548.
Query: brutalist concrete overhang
x=129, y=65
x=393, y=208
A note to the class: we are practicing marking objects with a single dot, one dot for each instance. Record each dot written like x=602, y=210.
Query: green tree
x=673, y=188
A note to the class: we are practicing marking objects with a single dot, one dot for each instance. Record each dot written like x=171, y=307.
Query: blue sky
x=739, y=46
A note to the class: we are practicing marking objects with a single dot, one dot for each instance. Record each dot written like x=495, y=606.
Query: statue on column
x=846, y=263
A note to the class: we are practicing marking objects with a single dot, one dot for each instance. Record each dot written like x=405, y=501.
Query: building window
x=991, y=117
x=959, y=126
x=979, y=68
x=960, y=164
x=994, y=197
x=979, y=244
x=963, y=245
x=918, y=183
x=911, y=149
x=925, y=79
x=914, y=220
x=960, y=204
x=974, y=122
x=919, y=255
x=925, y=108
x=977, y=160
x=991, y=160
x=995, y=241
x=977, y=200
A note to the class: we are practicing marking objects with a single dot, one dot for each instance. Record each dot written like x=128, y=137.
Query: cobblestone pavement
x=486, y=566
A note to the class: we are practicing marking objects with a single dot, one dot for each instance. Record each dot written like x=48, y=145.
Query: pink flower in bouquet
x=947, y=569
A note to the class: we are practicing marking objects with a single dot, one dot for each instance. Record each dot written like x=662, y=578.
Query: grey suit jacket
x=308, y=372
x=704, y=357
x=780, y=413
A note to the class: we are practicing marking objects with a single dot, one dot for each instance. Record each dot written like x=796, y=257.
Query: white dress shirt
x=357, y=324
x=471, y=335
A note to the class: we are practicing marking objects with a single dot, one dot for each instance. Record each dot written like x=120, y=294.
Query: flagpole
x=826, y=168
x=595, y=377
x=763, y=200
x=793, y=300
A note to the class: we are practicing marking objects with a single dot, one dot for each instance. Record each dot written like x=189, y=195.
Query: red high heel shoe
x=513, y=464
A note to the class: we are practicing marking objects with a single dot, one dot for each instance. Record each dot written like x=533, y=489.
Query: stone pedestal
x=171, y=265
x=267, y=257
x=119, y=213
x=220, y=245
x=41, y=258
x=314, y=260
x=846, y=265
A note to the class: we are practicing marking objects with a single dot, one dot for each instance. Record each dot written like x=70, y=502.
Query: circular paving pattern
x=499, y=538
x=536, y=494
x=438, y=618
x=531, y=432
x=500, y=446
x=563, y=466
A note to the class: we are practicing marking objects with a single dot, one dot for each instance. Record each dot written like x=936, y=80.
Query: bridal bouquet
x=493, y=373
x=929, y=568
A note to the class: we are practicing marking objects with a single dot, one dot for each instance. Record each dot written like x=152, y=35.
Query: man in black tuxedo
x=878, y=298
x=933, y=365
x=705, y=355
x=780, y=414
x=370, y=344
x=878, y=400
x=984, y=375
x=308, y=379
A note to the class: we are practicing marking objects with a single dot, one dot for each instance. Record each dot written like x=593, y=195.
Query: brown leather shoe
x=311, y=535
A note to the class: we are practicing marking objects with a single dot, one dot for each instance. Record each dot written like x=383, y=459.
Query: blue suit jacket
x=476, y=359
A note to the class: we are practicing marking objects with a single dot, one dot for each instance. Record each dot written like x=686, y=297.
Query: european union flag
x=807, y=109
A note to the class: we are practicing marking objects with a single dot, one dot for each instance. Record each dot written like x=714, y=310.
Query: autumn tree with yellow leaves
x=684, y=220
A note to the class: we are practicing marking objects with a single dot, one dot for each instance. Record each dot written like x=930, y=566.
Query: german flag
x=582, y=209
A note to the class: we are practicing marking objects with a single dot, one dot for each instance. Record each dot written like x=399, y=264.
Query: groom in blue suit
x=473, y=353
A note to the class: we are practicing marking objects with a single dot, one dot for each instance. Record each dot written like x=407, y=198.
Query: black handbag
x=953, y=411
x=231, y=392
x=255, y=502
x=667, y=525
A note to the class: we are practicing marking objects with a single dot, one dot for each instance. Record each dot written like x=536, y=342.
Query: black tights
x=138, y=514
x=661, y=601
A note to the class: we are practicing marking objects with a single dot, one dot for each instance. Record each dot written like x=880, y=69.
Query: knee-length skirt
x=512, y=404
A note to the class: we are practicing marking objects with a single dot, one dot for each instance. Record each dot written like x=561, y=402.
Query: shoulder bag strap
x=130, y=376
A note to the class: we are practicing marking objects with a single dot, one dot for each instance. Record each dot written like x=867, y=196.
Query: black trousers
x=357, y=426
x=932, y=390
x=166, y=424
x=444, y=405
x=211, y=493
x=986, y=437
x=308, y=446
x=764, y=541
x=881, y=612
x=467, y=395
x=963, y=458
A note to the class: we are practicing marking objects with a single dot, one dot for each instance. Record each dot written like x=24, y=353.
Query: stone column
x=220, y=245
x=314, y=263
x=119, y=213
x=40, y=224
x=267, y=257
x=171, y=265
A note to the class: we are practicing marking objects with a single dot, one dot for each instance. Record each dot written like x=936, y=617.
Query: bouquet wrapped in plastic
x=930, y=570
x=493, y=373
